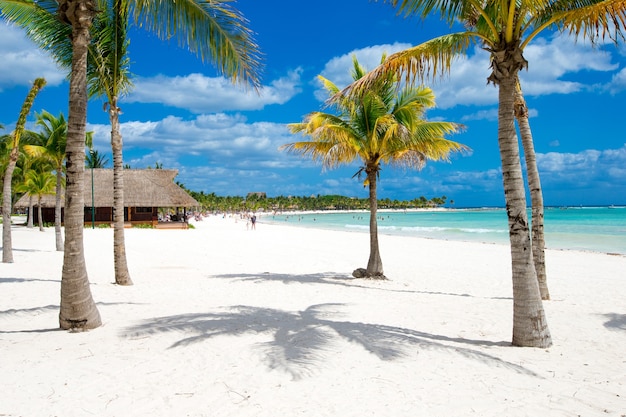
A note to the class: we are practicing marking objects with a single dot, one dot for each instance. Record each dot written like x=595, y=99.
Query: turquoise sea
x=597, y=229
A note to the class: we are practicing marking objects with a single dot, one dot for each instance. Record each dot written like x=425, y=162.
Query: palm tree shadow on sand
x=332, y=278
x=615, y=321
x=301, y=338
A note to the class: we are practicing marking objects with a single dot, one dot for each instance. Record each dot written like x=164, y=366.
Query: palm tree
x=14, y=149
x=94, y=159
x=504, y=29
x=536, y=195
x=24, y=163
x=38, y=183
x=380, y=127
x=533, y=179
x=213, y=30
x=51, y=147
x=109, y=77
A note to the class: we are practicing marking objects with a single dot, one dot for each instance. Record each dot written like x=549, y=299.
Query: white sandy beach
x=224, y=321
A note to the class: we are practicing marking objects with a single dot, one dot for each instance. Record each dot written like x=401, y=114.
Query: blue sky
x=224, y=139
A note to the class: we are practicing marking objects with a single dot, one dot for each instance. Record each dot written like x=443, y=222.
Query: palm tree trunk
x=122, y=276
x=7, y=244
x=39, y=213
x=7, y=195
x=374, y=264
x=78, y=310
x=536, y=195
x=30, y=212
x=530, y=327
x=57, y=210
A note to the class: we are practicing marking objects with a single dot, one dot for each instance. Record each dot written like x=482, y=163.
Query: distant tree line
x=213, y=202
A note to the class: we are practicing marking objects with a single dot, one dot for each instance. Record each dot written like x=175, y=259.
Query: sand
x=225, y=321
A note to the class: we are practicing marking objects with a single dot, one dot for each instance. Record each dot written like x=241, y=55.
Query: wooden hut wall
x=102, y=215
x=47, y=214
x=143, y=214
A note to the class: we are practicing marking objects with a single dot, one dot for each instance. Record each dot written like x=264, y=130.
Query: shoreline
x=20, y=220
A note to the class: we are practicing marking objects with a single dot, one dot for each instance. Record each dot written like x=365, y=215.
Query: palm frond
x=211, y=29
x=108, y=69
x=593, y=19
x=412, y=103
x=428, y=59
x=380, y=125
x=328, y=85
x=448, y=9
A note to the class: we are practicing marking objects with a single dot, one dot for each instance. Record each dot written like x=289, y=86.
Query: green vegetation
x=143, y=226
x=212, y=202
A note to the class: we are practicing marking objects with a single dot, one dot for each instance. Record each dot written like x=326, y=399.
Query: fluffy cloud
x=618, y=82
x=219, y=138
x=22, y=62
x=199, y=94
x=583, y=168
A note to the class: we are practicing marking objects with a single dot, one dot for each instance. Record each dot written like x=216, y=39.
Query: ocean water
x=597, y=229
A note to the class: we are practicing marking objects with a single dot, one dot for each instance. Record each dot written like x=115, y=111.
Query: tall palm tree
x=38, y=183
x=109, y=77
x=13, y=146
x=504, y=28
x=51, y=147
x=384, y=126
x=532, y=175
x=212, y=29
x=536, y=195
x=24, y=163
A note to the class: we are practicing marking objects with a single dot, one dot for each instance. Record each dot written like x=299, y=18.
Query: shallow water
x=597, y=229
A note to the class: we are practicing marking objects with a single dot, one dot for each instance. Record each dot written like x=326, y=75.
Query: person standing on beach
x=253, y=221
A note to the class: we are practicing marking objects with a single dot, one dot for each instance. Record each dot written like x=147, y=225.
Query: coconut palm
x=94, y=159
x=384, y=126
x=504, y=28
x=109, y=77
x=536, y=195
x=24, y=163
x=533, y=178
x=50, y=146
x=13, y=147
x=213, y=30
x=37, y=184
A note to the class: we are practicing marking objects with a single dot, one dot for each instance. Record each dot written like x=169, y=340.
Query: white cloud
x=583, y=168
x=22, y=62
x=567, y=162
x=489, y=114
x=550, y=60
x=466, y=83
x=201, y=94
x=227, y=140
x=618, y=82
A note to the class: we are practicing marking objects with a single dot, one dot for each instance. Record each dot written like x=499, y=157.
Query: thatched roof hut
x=143, y=189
